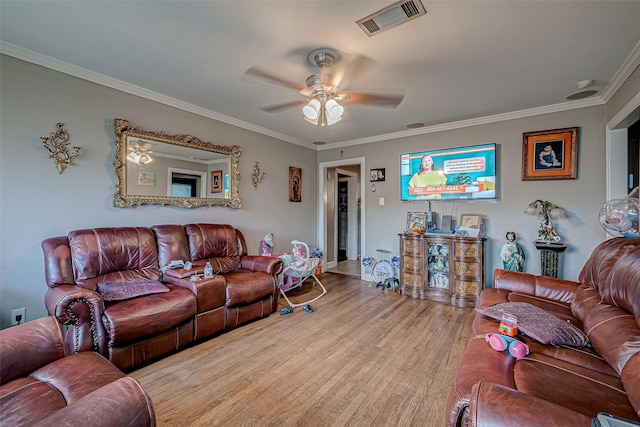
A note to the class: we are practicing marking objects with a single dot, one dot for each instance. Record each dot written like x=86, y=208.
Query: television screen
x=453, y=173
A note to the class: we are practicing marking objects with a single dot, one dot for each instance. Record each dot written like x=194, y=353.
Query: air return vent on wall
x=391, y=16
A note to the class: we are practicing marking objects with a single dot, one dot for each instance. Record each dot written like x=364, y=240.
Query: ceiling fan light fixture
x=334, y=111
x=133, y=157
x=331, y=121
x=312, y=109
x=145, y=158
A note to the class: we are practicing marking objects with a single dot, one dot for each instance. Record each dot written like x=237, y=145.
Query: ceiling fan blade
x=283, y=106
x=266, y=76
x=391, y=100
x=350, y=69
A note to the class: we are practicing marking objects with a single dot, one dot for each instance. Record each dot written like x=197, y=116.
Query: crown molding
x=104, y=80
x=549, y=109
x=632, y=61
x=623, y=73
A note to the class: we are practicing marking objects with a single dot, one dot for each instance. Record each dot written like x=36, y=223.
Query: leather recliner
x=558, y=385
x=43, y=383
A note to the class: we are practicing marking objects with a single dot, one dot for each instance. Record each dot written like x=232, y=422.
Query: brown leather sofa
x=41, y=384
x=135, y=331
x=558, y=385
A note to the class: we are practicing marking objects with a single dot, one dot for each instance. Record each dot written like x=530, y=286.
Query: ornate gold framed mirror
x=181, y=170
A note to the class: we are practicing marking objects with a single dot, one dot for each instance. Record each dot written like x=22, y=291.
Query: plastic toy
x=499, y=342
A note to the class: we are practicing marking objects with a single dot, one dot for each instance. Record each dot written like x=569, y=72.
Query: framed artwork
x=216, y=181
x=376, y=175
x=416, y=222
x=295, y=184
x=470, y=220
x=146, y=178
x=550, y=154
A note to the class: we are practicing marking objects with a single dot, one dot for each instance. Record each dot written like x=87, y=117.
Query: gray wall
x=36, y=202
x=581, y=198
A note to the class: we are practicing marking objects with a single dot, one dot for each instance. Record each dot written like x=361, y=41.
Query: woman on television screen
x=428, y=176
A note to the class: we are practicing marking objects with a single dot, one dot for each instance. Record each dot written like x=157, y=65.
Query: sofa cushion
x=137, y=319
x=245, y=287
x=216, y=243
x=538, y=324
x=113, y=254
x=117, y=291
x=29, y=403
x=172, y=243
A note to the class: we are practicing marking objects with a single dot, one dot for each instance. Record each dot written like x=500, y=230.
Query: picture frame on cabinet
x=416, y=222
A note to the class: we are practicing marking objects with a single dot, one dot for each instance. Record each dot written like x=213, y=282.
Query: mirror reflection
x=181, y=170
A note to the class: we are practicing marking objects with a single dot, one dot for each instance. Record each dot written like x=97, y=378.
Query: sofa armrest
x=495, y=405
x=80, y=310
x=120, y=403
x=29, y=346
x=539, y=286
x=269, y=264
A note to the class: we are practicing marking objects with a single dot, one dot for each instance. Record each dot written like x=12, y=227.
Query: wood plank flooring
x=364, y=357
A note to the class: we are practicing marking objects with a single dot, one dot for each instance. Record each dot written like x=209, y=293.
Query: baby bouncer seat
x=298, y=271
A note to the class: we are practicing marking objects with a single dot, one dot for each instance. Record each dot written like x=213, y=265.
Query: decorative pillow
x=117, y=291
x=540, y=325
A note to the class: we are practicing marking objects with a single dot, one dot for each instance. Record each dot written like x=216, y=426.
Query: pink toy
x=499, y=342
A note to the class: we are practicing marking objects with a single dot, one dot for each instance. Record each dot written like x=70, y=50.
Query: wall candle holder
x=57, y=146
x=257, y=176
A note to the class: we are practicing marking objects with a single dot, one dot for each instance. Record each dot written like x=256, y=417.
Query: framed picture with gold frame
x=550, y=154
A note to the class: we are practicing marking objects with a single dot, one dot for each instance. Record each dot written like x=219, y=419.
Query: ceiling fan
x=139, y=151
x=324, y=106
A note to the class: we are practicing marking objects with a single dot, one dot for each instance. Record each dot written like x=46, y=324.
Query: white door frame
x=352, y=213
x=322, y=178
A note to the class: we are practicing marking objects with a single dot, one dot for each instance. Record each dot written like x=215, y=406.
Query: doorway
x=341, y=215
x=621, y=130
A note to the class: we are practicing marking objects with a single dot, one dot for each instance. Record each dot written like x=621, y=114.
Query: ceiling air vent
x=391, y=16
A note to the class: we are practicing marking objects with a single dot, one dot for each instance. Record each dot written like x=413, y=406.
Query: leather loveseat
x=42, y=384
x=133, y=331
x=558, y=385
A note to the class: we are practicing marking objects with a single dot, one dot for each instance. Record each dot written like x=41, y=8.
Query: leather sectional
x=558, y=385
x=42, y=383
x=135, y=331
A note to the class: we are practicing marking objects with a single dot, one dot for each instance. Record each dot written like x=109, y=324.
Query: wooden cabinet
x=443, y=268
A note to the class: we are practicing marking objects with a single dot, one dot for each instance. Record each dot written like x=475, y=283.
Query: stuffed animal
x=300, y=257
x=266, y=245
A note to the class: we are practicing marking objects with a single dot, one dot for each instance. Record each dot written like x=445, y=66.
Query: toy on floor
x=301, y=268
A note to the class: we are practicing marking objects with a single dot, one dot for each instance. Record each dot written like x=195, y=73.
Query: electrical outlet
x=18, y=316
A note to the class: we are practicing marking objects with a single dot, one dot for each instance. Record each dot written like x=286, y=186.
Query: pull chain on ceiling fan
x=325, y=107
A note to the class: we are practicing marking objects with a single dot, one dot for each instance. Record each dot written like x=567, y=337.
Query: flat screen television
x=449, y=174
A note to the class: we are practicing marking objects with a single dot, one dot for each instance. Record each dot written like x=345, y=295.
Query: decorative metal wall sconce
x=57, y=146
x=257, y=176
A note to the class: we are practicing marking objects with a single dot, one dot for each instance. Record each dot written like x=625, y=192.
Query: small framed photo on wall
x=146, y=178
x=295, y=184
x=376, y=175
x=216, y=181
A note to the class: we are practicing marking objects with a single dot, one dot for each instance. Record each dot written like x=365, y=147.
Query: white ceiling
x=464, y=61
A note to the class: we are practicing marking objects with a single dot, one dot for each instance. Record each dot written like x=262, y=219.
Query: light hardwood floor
x=364, y=357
